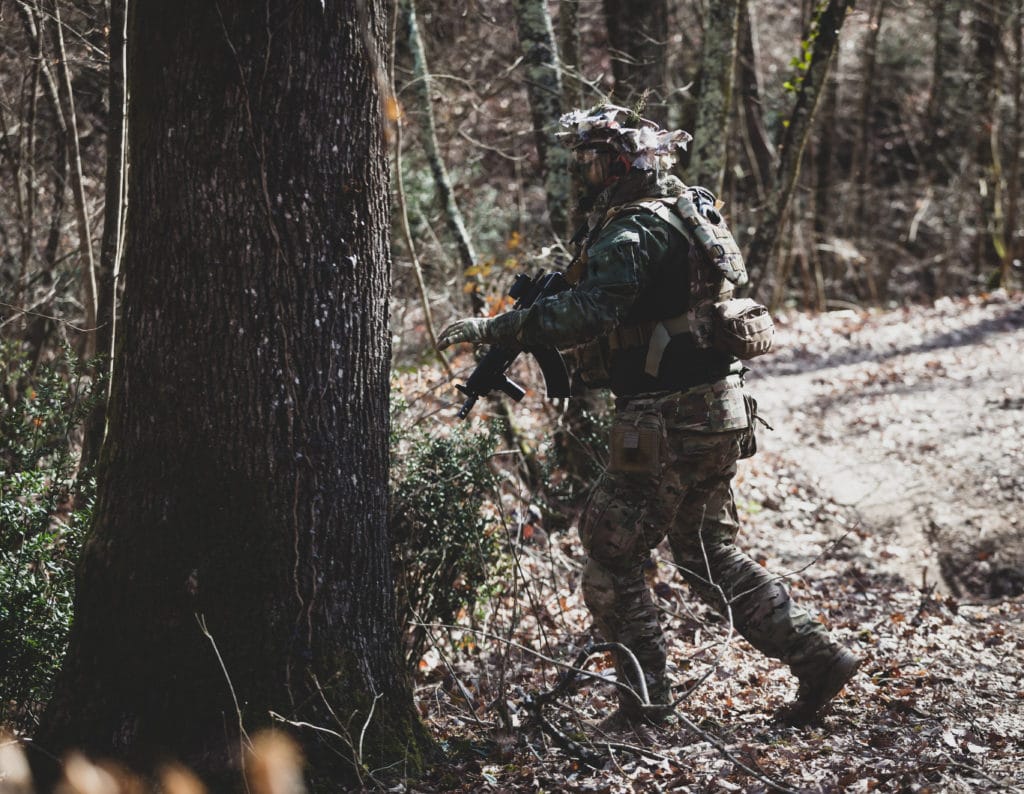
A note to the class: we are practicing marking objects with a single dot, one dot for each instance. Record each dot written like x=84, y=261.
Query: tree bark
x=243, y=484
x=544, y=88
x=825, y=36
x=718, y=60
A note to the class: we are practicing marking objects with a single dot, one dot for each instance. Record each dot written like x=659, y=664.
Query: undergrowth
x=44, y=511
x=444, y=542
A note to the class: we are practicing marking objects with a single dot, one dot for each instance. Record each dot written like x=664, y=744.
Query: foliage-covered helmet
x=647, y=145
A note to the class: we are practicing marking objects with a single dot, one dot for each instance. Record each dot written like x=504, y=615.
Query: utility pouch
x=748, y=443
x=592, y=359
x=635, y=449
x=742, y=327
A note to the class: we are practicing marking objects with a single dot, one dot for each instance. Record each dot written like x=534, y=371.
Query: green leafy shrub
x=444, y=542
x=44, y=511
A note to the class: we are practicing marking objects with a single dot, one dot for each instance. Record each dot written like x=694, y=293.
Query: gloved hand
x=471, y=329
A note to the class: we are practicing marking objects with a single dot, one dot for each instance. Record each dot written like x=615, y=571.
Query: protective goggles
x=586, y=156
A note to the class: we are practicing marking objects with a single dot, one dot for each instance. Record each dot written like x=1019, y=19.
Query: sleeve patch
x=621, y=237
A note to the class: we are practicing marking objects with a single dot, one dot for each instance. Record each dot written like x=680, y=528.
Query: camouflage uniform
x=676, y=438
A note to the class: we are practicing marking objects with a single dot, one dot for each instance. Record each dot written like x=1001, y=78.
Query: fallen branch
x=583, y=753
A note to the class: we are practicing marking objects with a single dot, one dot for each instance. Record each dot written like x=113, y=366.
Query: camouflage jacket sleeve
x=619, y=267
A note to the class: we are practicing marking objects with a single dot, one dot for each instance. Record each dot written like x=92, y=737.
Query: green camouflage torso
x=638, y=271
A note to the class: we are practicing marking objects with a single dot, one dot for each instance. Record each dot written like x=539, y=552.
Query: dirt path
x=913, y=418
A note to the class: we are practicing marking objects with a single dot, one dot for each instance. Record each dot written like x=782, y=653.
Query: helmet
x=609, y=126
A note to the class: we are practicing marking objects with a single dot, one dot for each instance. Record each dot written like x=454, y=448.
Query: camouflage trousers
x=672, y=462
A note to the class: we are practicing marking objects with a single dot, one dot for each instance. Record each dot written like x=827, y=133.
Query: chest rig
x=716, y=268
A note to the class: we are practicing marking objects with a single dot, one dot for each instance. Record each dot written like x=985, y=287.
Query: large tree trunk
x=544, y=88
x=763, y=245
x=718, y=59
x=243, y=484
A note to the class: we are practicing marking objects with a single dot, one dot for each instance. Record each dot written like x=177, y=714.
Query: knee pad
x=598, y=589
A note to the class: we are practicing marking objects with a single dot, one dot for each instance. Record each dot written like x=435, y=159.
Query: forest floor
x=889, y=495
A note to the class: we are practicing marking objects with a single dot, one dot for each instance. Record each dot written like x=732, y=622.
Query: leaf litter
x=889, y=496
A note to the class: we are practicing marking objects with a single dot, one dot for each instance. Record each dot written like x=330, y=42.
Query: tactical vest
x=721, y=328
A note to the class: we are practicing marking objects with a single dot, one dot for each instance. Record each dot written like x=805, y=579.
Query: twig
x=451, y=671
x=588, y=757
x=980, y=773
x=362, y=734
x=243, y=737
x=775, y=577
x=719, y=745
x=536, y=654
x=299, y=724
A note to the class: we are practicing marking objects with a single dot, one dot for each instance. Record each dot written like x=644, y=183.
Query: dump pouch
x=742, y=327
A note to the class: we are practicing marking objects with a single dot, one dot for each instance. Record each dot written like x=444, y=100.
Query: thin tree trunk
x=823, y=157
x=422, y=86
x=113, y=225
x=1013, y=187
x=637, y=33
x=78, y=186
x=760, y=152
x=40, y=326
x=544, y=88
x=986, y=31
x=718, y=59
x=824, y=154
x=763, y=246
x=944, y=113
x=238, y=563
x=862, y=151
x=569, y=46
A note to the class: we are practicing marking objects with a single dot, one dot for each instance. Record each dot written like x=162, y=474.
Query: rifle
x=489, y=374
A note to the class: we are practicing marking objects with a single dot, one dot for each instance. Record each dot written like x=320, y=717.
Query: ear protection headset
x=620, y=166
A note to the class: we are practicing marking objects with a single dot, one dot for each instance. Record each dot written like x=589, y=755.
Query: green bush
x=444, y=543
x=44, y=511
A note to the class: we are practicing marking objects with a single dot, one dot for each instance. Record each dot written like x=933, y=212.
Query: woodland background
x=906, y=193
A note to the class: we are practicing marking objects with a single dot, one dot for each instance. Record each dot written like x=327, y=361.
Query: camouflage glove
x=471, y=329
x=500, y=330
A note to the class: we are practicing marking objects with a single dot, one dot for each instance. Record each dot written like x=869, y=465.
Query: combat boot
x=818, y=685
